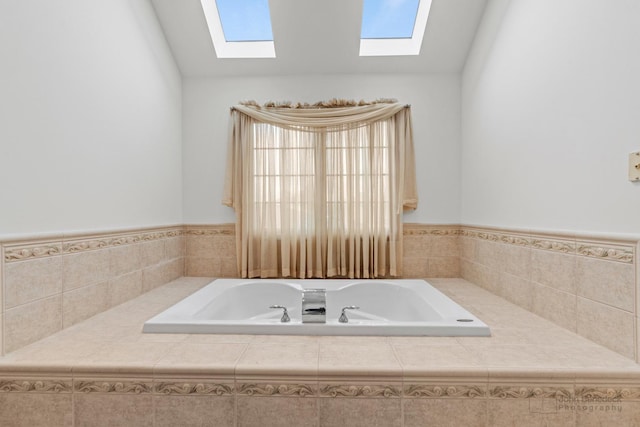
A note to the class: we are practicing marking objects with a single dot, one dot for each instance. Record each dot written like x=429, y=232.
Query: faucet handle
x=285, y=315
x=343, y=317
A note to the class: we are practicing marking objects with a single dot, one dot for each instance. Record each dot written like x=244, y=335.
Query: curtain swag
x=331, y=116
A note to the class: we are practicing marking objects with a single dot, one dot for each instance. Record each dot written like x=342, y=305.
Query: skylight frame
x=400, y=46
x=240, y=49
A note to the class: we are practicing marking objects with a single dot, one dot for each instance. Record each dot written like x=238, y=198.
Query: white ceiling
x=320, y=37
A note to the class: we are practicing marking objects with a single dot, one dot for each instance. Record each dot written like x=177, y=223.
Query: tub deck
x=106, y=368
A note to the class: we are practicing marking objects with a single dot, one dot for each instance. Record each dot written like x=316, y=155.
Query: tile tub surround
x=51, y=283
x=586, y=284
x=104, y=371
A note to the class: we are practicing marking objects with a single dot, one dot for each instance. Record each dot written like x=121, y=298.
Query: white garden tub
x=387, y=307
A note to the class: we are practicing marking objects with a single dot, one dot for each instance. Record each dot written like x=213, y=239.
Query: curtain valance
x=321, y=117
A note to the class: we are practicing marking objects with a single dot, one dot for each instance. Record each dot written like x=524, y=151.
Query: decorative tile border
x=622, y=254
x=566, y=247
x=25, y=251
x=32, y=251
x=440, y=391
x=210, y=230
x=592, y=393
x=119, y=387
x=515, y=392
x=613, y=252
x=387, y=391
x=430, y=230
x=197, y=388
x=252, y=389
x=35, y=386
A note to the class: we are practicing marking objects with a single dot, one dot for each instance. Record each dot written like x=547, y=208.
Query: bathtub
x=404, y=307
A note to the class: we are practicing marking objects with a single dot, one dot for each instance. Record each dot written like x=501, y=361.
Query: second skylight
x=388, y=19
x=393, y=27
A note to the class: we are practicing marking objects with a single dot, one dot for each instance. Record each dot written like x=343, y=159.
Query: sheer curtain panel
x=319, y=190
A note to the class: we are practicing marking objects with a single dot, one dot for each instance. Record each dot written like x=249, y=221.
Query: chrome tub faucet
x=314, y=306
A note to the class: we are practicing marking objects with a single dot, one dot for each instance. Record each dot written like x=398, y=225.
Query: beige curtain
x=319, y=192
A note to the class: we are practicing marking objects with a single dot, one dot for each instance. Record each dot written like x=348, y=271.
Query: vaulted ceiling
x=320, y=37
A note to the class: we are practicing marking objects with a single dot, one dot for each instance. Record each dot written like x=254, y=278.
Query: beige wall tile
x=224, y=244
x=415, y=267
x=445, y=412
x=412, y=245
x=174, y=247
x=200, y=411
x=229, y=267
x=558, y=306
x=517, y=260
x=116, y=354
x=277, y=411
x=527, y=413
x=554, y=269
x=124, y=288
x=360, y=412
x=606, y=325
x=27, y=281
x=85, y=268
x=155, y=276
x=124, y=259
x=196, y=357
x=36, y=410
x=619, y=414
x=428, y=245
x=175, y=269
x=489, y=279
x=287, y=358
x=608, y=282
x=342, y=359
x=80, y=304
x=444, y=267
x=491, y=254
x=151, y=252
x=202, y=267
x=517, y=290
x=200, y=246
x=468, y=248
x=445, y=246
x=417, y=358
x=101, y=409
x=31, y=322
x=469, y=271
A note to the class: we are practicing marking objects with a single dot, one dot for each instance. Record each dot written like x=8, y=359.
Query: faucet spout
x=314, y=306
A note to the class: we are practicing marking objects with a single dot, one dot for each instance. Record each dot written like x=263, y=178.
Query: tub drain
x=465, y=320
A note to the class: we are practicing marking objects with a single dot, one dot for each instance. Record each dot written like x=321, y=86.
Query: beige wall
x=587, y=285
x=53, y=283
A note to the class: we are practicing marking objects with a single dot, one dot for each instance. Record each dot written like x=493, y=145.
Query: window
x=319, y=192
x=240, y=28
x=336, y=175
x=393, y=27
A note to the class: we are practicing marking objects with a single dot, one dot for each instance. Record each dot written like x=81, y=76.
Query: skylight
x=240, y=28
x=393, y=27
x=245, y=20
